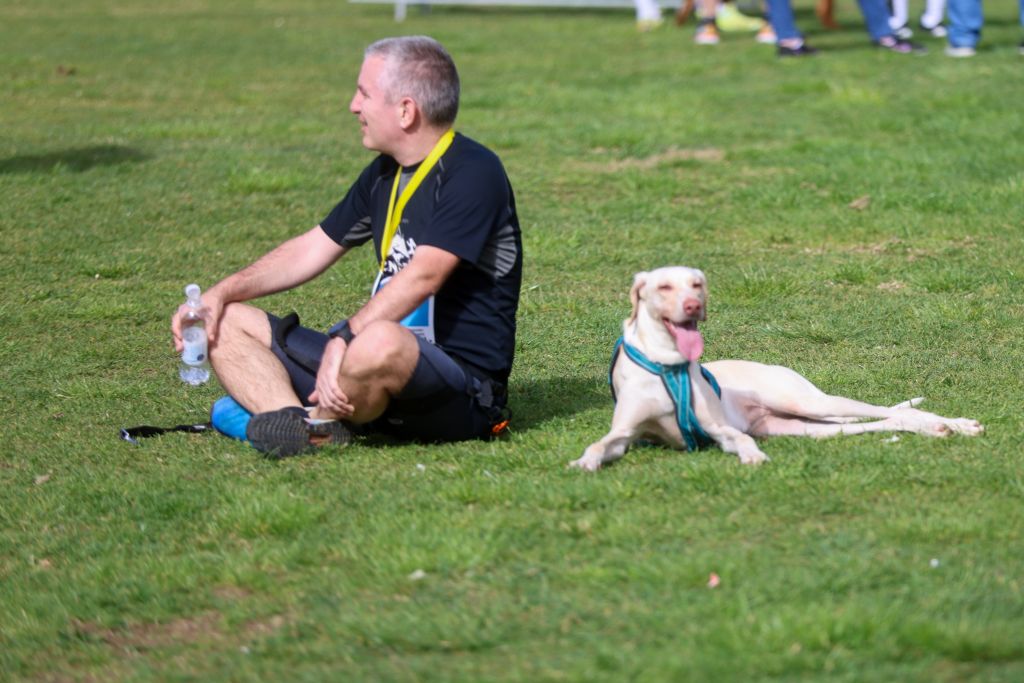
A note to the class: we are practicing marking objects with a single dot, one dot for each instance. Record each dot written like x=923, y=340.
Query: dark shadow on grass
x=534, y=403
x=76, y=159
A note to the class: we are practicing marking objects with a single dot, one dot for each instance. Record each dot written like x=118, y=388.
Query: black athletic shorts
x=443, y=401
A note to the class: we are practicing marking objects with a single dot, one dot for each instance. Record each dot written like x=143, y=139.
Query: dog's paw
x=752, y=457
x=587, y=464
x=945, y=426
x=966, y=426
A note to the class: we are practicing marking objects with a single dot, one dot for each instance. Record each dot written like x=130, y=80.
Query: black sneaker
x=903, y=47
x=804, y=50
x=286, y=432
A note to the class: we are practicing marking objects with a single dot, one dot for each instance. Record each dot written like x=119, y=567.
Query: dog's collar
x=676, y=379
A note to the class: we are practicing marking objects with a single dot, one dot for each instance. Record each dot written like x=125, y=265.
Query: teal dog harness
x=676, y=379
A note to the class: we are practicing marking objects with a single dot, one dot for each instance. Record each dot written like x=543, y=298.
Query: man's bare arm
x=421, y=278
x=289, y=265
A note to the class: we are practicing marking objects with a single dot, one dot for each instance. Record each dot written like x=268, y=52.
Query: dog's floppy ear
x=639, y=280
x=703, y=278
x=707, y=294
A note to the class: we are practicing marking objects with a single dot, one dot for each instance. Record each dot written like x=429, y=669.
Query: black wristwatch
x=342, y=330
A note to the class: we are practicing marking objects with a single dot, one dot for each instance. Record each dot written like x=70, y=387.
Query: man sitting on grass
x=428, y=356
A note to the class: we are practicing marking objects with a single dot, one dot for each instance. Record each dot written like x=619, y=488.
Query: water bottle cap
x=192, y=292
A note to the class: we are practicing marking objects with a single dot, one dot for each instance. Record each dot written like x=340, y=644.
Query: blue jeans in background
x=965, y=20
x=875, y=12
x=876, y=18
x=780, y=16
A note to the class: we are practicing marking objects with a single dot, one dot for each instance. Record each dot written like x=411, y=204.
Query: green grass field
x=860, y=217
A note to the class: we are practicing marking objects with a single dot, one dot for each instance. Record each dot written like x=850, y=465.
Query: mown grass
x=859, y=216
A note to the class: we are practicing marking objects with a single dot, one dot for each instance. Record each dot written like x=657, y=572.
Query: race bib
x=421, y=321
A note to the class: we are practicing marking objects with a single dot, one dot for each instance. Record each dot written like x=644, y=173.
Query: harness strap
x=676, y=379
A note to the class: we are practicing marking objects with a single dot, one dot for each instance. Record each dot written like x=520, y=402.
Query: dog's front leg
x=613, y=445
x=610, y=448
x=711, y=415
x=732, y=440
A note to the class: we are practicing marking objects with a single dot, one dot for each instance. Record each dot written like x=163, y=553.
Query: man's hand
x=328, y=395
x=210, y=312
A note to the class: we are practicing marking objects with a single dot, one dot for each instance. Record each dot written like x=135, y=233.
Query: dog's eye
x=697, y=285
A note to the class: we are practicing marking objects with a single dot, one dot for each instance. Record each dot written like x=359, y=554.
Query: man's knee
x=240, y=322
x=383, y=349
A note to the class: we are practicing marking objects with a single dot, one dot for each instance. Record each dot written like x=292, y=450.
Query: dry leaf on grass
x=860, y=203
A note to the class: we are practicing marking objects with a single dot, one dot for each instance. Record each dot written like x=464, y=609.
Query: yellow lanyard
x=394, y=218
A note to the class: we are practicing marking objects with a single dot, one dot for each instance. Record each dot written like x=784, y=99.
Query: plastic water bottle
x=195, y=367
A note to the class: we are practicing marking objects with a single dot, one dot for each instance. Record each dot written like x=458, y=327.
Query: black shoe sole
x=284, y=433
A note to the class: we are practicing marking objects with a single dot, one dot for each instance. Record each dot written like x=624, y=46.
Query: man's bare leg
x=378, y=364
x=246, y=366
x=375, y=368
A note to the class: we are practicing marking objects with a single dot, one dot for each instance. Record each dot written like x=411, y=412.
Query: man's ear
x=408, y=111
x=639, y=280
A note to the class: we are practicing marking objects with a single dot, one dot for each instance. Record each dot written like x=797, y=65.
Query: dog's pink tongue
x=688, y=339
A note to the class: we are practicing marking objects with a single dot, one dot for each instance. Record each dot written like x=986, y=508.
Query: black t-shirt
x=465, y=206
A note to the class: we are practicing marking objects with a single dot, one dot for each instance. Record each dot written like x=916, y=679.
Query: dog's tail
x=911, y=403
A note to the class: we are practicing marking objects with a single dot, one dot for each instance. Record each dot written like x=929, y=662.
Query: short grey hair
x=419, y=67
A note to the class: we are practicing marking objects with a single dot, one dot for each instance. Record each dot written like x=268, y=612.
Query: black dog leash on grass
x=133, y=434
